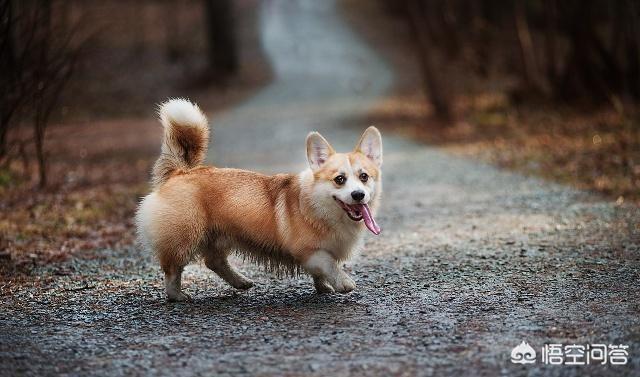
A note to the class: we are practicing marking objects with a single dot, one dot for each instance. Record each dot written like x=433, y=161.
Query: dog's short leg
x=173, y=282
x=324, y=268
x=322, y=286
x=218, y=263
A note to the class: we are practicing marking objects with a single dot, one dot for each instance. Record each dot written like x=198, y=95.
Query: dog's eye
x=341, y=179
x=364, y=177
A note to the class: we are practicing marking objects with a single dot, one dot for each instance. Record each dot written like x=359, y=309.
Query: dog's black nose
x=357, y=195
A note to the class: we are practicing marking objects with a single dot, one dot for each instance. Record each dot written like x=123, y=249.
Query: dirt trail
x=471, y=260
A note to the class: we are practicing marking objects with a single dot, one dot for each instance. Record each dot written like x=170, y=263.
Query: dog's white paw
x=344, y=284
x=178, y=296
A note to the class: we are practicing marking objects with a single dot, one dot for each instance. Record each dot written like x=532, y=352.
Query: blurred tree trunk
x=590, y=68
x=139, y=36
x=7, y=72
x=531, y=72
x=632, y=47
x=223, y=55
x=446, y=23
x=436, y=90
x=551, y=39
x=480, y=37
x=41, y=114
x=173, y=33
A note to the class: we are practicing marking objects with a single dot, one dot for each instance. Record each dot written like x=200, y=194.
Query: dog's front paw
x=243, y=284
x=344, y=284
x=322, y=286
x=178, y=296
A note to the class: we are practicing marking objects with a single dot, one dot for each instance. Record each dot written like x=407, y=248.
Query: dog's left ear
x=370, y=145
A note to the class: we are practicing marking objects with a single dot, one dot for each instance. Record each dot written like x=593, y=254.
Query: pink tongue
x=368, y=219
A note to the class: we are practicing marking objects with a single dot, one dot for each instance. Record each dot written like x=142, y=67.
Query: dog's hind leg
x=215, y=258
x=173, y=282
x=174, y=254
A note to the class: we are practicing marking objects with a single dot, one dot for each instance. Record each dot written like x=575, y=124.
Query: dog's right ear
x=318, y=150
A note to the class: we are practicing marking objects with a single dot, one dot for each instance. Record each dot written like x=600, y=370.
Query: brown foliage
x=97, y=175
x=558, y=50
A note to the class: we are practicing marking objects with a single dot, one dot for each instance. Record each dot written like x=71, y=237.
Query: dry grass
x=595, y=150
x=97, y=174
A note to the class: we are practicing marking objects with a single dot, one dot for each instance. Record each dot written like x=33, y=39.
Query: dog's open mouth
x=357, y=212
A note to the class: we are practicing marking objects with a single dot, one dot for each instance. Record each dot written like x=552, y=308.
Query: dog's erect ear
x=318, y=150
x=370, y=145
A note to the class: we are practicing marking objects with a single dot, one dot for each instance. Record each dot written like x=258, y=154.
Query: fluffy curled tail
x=185, y=140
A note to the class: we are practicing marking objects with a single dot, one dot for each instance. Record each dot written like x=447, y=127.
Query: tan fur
x=239, y=206
x=209, y=212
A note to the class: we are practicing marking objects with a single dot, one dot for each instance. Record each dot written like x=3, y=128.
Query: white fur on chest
x=343, y=242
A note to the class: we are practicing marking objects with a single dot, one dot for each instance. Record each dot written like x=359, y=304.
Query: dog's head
x=347, y=183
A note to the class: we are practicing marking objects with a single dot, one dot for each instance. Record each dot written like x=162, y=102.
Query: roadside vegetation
x=548, y=88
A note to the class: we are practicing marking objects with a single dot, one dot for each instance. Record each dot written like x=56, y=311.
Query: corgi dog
x=290, y=223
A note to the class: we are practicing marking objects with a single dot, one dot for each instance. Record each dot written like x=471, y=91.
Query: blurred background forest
x=545, y=87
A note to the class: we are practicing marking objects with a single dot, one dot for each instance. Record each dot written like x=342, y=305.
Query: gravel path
x=471, y=261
